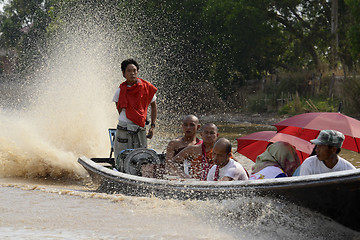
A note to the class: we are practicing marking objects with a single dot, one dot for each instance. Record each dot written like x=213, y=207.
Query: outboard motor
x=130, y=160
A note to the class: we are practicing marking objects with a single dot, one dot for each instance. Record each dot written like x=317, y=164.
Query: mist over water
x=59, y=107
x=63, y=109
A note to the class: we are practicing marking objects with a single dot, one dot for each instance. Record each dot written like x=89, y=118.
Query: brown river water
x=45, y=194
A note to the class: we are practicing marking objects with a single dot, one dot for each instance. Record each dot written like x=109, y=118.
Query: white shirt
x=122, y=116
x=268, y=172
x=312, y=165
x=232, y=169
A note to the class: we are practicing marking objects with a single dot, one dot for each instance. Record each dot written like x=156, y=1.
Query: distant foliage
x=231, y=44
x=354, y=29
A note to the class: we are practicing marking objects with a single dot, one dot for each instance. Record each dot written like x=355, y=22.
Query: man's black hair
x=227, y=144
x=209, y=125
x=337, y=150
x=126, y=62
x=228, y=147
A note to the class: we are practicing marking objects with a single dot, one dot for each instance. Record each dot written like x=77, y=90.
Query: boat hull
x=336, y=195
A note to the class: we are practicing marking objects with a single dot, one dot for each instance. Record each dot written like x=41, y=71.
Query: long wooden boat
x=336, y=195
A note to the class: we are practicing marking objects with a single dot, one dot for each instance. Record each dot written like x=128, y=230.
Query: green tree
x=24, y=26
x=353, y=34
x=244, y=43
x=306, y=23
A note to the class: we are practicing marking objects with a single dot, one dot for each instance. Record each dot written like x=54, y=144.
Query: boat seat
x=105, y=164
x=112, y=139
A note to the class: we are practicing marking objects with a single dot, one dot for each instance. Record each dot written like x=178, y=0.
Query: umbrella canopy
x=254, y=144
x=308, y=125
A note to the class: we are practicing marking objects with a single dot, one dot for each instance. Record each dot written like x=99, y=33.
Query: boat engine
x=130, y=160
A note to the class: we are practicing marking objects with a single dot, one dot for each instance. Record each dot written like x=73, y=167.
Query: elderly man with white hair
x=328, y=145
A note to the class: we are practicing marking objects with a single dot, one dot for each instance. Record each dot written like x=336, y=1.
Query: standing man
x=226, y=168
x=328, y=145
x=132, y=99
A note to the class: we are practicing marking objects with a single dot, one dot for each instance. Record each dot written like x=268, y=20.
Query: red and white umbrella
x=308, y=125
x=256, y=143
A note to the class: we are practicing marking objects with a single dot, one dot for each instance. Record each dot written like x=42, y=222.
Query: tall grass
x=350, y=94
x=298, y=92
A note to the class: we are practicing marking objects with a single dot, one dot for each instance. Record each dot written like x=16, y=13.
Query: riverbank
x=254, y=118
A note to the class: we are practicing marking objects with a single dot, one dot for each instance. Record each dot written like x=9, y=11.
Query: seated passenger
x=196, y=160
x=328, y=145
x=190, y=126
x=279, y=160
x=226, y=168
